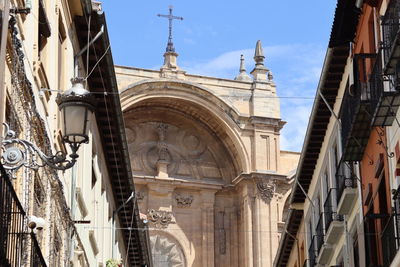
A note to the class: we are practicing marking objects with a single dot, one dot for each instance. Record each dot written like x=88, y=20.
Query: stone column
x=207, y=215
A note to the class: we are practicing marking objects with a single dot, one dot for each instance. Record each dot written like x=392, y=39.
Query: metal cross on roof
x=170, y=17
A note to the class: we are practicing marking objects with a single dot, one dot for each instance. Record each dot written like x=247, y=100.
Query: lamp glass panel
x=89, y=117
x=74, y=118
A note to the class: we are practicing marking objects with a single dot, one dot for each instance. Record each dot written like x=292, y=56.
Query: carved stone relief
x=266, y=189
x=187, y=152
x=163, y=154
x=139, y=196
x=159, y=218
x=183, y=201
x=166, y=252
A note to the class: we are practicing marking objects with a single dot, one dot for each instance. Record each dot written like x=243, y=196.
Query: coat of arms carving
x=266, y=189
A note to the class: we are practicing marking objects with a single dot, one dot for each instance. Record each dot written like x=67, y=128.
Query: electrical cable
x=130, y=232
x=212, y=231
x=88, y=49
x=232, y=96
x=94, y=67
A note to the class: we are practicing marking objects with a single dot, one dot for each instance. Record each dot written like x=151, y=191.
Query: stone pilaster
x=207, y=215
x=248, y=202
x=234, y=239
x=263, y=223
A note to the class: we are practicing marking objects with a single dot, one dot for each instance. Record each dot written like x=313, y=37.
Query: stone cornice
x=180, y=182
x=261, y=122
x=260, y=175
x=266, y=184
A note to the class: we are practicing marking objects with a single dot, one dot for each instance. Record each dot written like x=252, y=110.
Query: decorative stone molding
x=166, y=252
x=162, y=145
x=166, y=150
x=139, y=196
x=183, y=201
x=278, y=195
x=160, y=218
x=266, y=189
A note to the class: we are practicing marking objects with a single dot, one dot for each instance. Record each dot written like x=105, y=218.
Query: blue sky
x=213, y=34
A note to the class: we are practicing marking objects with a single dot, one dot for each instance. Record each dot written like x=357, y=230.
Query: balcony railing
x=355, y=111
x=319, y=233
x=312, y=259
x=385, y=97
x=12, y=228
x=396, y=200
x=390, y=32
x=37, y=259
x=330, y=209
x=11, y=223
x=344, y=179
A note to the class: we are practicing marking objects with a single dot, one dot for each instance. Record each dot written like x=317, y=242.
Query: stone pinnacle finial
x=270, y=76
x=242, y=65
x=260, y=71
x=243, y=76
x=259, y=54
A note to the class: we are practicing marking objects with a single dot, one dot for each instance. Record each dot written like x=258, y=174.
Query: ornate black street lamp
x=76, y=106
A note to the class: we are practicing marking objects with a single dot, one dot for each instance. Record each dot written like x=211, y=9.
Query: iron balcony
x=311, y=253
x=346, y=192
x=390, y=33
x=355, y=111
x=372, y=100
x=384, y=95
x=13, y=230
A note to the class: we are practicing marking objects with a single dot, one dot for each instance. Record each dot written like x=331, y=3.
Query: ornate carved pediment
x=183, y=200
x=265, y=189
x=185, y=151
x=159, y=218
x=139, y=196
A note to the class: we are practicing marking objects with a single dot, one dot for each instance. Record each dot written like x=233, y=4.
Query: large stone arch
x=192, y=102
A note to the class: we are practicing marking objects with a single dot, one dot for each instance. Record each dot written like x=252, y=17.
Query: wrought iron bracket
x=20, y=11
x=19, y=153
x=382, y=143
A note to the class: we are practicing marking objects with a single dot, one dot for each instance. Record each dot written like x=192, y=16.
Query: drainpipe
x=76, y=57
x=297, y=245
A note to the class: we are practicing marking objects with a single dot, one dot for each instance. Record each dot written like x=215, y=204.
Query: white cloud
x=296, y=69
x=189, y=41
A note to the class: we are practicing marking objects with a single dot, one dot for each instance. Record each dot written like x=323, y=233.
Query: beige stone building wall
x=207, y=164
x=40, y=64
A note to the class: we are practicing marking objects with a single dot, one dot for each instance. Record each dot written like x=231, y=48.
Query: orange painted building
x=359, y=223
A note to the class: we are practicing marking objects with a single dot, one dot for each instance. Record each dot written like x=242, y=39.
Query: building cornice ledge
x=264, y=175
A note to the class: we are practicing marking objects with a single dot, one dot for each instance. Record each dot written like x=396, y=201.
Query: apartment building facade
x=86, y=215
x=345, y=200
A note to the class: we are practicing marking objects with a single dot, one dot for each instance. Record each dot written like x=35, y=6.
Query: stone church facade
x=209, y=173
